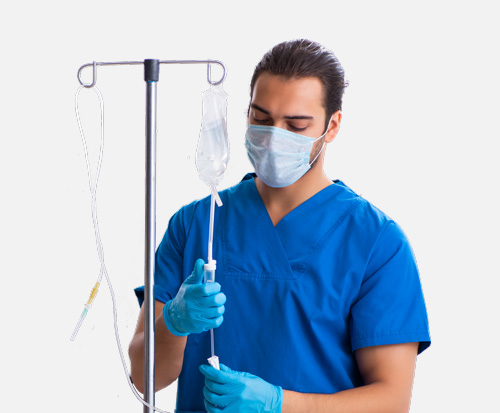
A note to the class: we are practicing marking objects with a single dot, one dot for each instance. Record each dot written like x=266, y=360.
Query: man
x=318, y=304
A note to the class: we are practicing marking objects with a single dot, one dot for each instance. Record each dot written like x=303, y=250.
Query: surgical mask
x=280, y=157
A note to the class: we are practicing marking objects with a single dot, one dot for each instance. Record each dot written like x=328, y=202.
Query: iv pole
x=151, y=77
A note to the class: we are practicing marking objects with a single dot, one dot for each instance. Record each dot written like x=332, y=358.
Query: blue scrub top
x=334, y=275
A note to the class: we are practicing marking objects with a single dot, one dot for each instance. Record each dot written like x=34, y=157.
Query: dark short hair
x=305, y=58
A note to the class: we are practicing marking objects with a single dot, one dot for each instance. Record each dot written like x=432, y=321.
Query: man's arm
x=387, y=372
x=197, y=307
x=169, y=352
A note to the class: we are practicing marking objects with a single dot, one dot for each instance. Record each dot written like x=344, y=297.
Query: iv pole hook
x=94, y=75
x=209, y=73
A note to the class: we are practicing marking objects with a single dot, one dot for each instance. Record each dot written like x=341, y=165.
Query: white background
x=419, y=139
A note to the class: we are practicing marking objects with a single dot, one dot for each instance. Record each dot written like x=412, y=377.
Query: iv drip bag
x=212, y=154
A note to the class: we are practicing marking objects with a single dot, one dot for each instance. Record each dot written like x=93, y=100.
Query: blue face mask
x=280, y=157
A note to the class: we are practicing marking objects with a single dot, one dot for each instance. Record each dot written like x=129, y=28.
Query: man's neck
x=281, y=201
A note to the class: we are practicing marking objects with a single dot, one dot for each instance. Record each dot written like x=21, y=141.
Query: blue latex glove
x=197, y=307
x=233, y=391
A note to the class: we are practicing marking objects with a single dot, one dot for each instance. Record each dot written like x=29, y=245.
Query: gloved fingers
x=217, y=322
x=235, y=391
x=218, y=376
x=196, y=276
x=219, y=388
x=195, y=321
x=207, y=324
x=198, y=321
x=226, y=369
x=205, y=305
x=233, y=374
x=213, y=312
x=219, y=299
x=203, y=302
x=204, y=290
x=213, y=409
x=218, y=400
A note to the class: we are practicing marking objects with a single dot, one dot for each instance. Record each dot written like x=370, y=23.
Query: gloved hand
x=232, y=391
x=197, y=307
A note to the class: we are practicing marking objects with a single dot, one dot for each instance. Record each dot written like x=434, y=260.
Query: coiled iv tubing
x=100, y=251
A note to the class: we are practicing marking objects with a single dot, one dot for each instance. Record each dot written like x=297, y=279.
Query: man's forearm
x=169, y=355
x=372, y=398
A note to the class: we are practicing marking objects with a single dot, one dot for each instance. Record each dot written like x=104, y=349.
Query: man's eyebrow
x=256, y=107
x=298, y=117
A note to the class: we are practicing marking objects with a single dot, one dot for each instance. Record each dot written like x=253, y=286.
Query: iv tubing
x=211, y=228
x=210, y=260
x=212, y=343
x=93, y=190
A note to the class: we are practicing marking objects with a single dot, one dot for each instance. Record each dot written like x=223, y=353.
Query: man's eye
x=264, y=120
x=297, y=129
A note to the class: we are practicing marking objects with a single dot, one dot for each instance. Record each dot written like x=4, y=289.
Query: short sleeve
x=390, y=307
x=169, y=259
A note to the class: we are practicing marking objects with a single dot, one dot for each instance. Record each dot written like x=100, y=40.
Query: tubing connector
x=210, y=265
x=86, y=309
x=93, y=294
x=214, y=362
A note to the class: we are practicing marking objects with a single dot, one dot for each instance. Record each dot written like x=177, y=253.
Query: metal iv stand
x=151, y=77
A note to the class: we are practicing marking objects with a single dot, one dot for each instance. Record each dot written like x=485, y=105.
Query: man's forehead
x=296, y=97
x=277, y=81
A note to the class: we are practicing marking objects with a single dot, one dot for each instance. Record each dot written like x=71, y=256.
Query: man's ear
x=333, y=126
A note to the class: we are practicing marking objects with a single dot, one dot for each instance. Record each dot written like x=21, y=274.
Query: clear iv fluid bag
x=212, y=154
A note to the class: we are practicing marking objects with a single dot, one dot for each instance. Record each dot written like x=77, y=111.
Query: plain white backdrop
x=419, y=139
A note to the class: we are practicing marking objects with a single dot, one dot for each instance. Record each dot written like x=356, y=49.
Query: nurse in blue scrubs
x=318, y=304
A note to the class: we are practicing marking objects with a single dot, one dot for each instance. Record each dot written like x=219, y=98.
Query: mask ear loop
x=319, y=153
x=322, y=147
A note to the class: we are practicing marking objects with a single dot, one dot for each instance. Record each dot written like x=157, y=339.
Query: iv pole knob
x=151, y=70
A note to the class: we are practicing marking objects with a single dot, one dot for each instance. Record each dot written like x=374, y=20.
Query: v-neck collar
x=309, y=203
x=301, y=232
x=249, y=229
x=284, y=250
